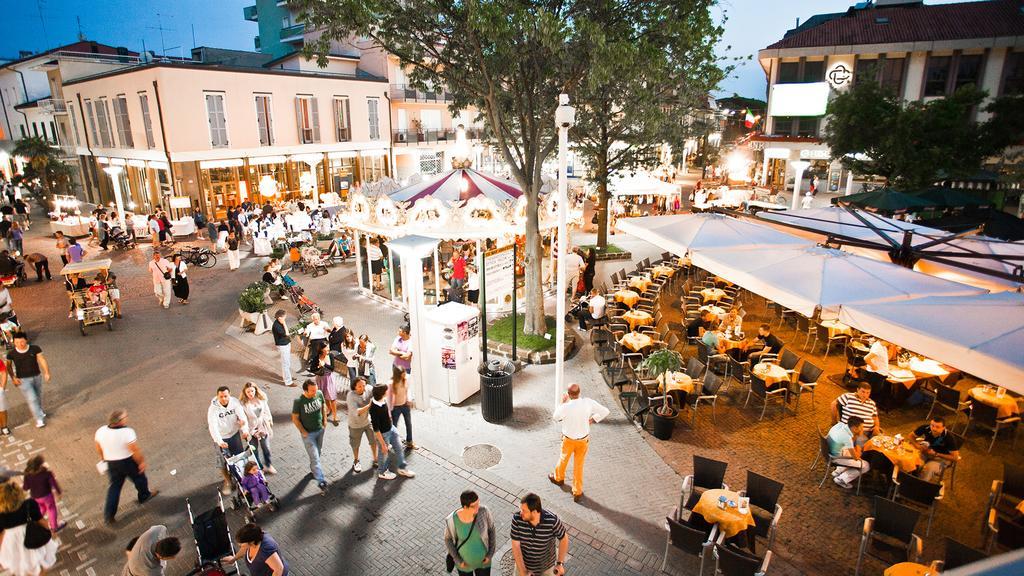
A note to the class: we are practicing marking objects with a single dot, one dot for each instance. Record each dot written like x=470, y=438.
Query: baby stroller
x=213, y=540
x=122, y=240
x=242, y=500
x=314, y=261
x=335, y=253
x=298, y=297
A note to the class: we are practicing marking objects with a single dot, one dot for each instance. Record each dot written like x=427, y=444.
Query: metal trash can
x=496, y=389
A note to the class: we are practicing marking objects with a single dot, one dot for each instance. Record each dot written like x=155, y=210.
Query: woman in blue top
x=259, y=552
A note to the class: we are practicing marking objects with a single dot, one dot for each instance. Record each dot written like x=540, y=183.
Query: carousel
x=463, y=208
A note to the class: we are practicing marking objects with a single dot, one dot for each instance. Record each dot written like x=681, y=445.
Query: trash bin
x=496, y=389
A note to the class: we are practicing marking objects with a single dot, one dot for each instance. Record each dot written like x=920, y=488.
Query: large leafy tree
x=508, y=59
x=911, y=144
x=654, y=62
x=43, y=162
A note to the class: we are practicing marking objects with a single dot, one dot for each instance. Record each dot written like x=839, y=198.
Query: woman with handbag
x=179, y=279
x=469, y=537
x=327, y=383
x=261, y=423
x=27, y=547
x=367, y=350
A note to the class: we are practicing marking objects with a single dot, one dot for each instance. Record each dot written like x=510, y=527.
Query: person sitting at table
x=716, y=343
x=770, y=344
x=938, y=447
x=732, y=320
x=593, y=310
x=846, y=451
x=696, y=327
x=858, y=404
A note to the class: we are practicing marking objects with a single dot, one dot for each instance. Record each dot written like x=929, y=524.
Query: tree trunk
x=602, y=215
x=534, y=263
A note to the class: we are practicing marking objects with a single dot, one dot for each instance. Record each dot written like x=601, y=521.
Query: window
x=374, y=118
x=264, y=122
x=789, y=72
x=103, y=122
x=892, y=74
x=866, y=71
x=342, y=119
x=374, y=167
x=53, y=132
x=814, y=71
x=937, y=75
x=782, y=126
x=23, y=133
x=968, y=71
x=807, y=126
x=124, y=125
x=1013, y=74
x=147, y=121
x=307, y=118
x=218, y=121
x=35, y=130
x=74, y=125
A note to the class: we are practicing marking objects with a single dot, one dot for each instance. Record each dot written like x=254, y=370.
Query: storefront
x=341, y=173
x=223, y=185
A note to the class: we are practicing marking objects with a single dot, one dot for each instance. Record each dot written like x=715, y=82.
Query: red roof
x=914, y=23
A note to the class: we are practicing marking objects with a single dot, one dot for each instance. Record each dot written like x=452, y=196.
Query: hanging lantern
x=268, y=186
x=307, y=183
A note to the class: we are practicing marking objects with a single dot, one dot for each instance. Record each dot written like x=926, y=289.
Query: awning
x=982, y=335
x=684, y=233
x=884, y=200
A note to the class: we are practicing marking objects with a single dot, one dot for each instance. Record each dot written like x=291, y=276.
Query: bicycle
x=202, y=257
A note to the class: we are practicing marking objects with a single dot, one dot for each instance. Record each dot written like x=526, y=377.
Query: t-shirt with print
x=310, y=411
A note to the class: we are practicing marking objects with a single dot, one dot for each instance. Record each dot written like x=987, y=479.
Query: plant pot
x=664, y=425
x=258, y=320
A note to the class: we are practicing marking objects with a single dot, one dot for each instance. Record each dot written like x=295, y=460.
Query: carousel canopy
x=461, y=184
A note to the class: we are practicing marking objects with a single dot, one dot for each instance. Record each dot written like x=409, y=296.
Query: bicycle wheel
x=207, y=259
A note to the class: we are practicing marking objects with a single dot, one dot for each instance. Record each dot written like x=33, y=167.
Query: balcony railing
x=427, y=137
x=292, y=32
x=53, y=106
x=250, y=13
x=407, y=93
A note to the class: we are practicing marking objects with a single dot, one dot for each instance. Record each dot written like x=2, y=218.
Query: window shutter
x=210, y=115
x=316, y=119
x=298, y=117
x=261, y=120
x=268, y=119
x=348, y=121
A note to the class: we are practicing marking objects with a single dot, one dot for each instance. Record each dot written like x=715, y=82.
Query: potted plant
x=658, y=363
x=252, y=306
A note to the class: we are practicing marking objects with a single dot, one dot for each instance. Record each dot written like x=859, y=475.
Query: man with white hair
x=161, y=270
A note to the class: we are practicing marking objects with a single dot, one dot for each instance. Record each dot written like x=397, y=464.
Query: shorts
x=115, y=293
x=376, y=266
x=3, y=400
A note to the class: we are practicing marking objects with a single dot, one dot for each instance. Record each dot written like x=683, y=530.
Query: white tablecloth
x=72, y=226
x=262, y=246
x=183, y=227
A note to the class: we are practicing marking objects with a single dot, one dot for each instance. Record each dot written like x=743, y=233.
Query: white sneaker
x=387, y=475
x=40, y=423
x=356, y=467
x=406, y=473
x=842, y=483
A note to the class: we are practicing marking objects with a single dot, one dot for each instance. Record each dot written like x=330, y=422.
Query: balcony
x=429, y=137
x=293, y=33
x=52, y=106
x=256, y=43
x=250, y=14
x=408, y=93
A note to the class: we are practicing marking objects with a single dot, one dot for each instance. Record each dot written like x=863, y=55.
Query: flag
x=749, y=120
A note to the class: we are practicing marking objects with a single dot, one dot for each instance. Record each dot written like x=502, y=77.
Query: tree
x=910, y=144
x=43, y=161
x=650, y=68
x=508, y=59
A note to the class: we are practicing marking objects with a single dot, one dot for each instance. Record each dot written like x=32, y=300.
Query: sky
x=41, y=24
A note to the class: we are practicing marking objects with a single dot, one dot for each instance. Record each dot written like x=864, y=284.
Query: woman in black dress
x=179, y=279
x=590, y=270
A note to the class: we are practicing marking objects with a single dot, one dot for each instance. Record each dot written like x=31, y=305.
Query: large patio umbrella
x=950, y=198
x=807, y=278
x=685, y=233
x=842, y=223
x=982, y=335
x=884, y=200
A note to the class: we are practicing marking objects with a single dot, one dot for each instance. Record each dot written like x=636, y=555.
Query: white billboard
x=809, y=99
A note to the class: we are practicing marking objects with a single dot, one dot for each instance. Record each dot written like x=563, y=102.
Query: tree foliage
x=911, y=144
x=43, y=162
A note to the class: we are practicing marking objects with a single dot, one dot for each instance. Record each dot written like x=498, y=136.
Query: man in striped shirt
x=534, y=532
x=861, y=405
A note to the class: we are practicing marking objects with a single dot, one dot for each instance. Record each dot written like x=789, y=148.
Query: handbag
x=449, y=562
x=35, y=535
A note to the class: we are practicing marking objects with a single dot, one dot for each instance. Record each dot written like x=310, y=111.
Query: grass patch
x=501, y=331
x=611, y=249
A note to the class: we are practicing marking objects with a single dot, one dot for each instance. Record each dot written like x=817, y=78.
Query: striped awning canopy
x=461, y=184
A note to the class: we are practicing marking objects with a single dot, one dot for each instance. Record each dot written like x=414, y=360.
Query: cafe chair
x=952, y=466
x=732, y=561
x=759, y=389
x=708, y=394
x=825, y=455
x=718, y=363
x=829, y=340
x=694, y=368
x=948, y=399
x=987, y=417
x=881, y=467
x=1004, y=534
x=958, y=555
x=804, y=326
x=807, y=381
x=609, y=353
x=707, y=475
x=672, y=343
x=918, y=491
x=892, y=526
x=689, y=539
x=739, y=371
x=764, y=505
x=788, y=360
x=600, y=337
x=1006, y=494
x=618, y=374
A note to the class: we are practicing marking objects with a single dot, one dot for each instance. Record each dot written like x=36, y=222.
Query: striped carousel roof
x=461, y=184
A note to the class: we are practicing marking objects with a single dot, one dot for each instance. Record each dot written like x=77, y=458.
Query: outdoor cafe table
x=771, y=373
x=684, y=261
x=730, y=344
x=1005, y=406
x=719, y=281
x=907, y=569
x=658, y=271
x=928, y=368
x=906, y=456
x=636, y=341
x=712, y=294
x=730, y=520
x=640, y=283
x=627, y=297
x=836, y=328
x=676, y=381
x=716, y=310
x=903, y=376
x=637, y=318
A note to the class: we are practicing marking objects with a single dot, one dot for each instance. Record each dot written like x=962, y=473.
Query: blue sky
x=751, y=25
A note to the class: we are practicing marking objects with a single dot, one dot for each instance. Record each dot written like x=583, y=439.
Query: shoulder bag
x=36, y=536
x=449, y=562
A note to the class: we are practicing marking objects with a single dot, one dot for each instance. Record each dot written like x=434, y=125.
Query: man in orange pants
x=576, y=415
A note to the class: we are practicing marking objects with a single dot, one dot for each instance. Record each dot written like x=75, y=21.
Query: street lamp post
x=799, y=166
x=565, y=117
x=115, y=172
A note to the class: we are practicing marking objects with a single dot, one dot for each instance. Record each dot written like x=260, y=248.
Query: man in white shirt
x=877, y=371
x=117, y=447
x=576, y=415
x=574, y=264
x=160, y=268
x=595, y=309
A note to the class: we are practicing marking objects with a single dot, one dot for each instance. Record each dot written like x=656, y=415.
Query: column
x=799, y=166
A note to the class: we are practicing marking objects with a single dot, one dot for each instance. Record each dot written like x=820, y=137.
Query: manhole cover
x=481, y=456
x=507, y=566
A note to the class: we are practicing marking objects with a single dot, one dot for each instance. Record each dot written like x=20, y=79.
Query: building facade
x=918, y=51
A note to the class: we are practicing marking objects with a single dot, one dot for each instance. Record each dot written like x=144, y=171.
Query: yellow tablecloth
x=1020, y=507
x=640, y=283
x=906, y=569
x=730, y=344
x=712, y=294
x=637, y=318
x=906, y=455
x=659, y=271
x=684, y=262
x=721, y=281
x=771, y=373
x=730, y=521
x=676, y=381
x=901, y=375
x=627, y=297
x=1005, y=406
x=835, y=328
x=636, y=341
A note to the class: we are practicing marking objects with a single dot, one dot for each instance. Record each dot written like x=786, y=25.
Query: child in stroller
x=122, y=240
x=313, y=261
x=253, y=491
x=255, y=484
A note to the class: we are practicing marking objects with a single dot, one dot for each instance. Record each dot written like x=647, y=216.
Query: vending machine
x=451, y=345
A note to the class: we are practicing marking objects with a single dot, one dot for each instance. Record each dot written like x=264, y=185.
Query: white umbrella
x=982, y=335
x=641, y=184
x=806, y=278
x=683, y=233
x=835, y=220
